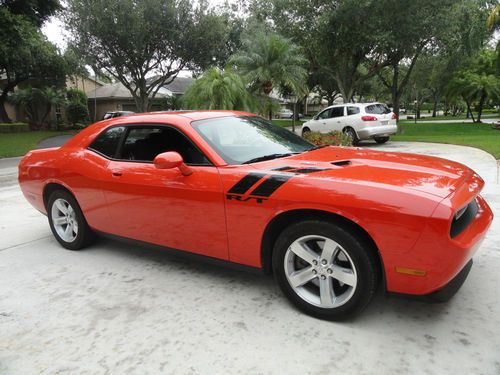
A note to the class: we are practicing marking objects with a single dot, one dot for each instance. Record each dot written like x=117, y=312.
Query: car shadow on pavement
x=254, y=282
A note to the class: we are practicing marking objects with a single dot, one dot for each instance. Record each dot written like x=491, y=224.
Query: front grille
x=463, y=218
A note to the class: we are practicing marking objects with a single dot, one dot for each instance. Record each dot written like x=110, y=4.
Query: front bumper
x=443, y=294
x=441, y=258
x=376, y=131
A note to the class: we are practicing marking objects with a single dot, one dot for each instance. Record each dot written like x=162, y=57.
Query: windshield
x=247, y=139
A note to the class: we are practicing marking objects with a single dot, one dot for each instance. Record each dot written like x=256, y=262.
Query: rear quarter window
x=352, y=111
x=107, y=142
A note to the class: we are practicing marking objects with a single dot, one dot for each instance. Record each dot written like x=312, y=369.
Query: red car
x=330, y=222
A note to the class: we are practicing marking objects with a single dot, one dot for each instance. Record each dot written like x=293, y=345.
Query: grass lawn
x=476, y=135
x=18, y=144
x=284, y=123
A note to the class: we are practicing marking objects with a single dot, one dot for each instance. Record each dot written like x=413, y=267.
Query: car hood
x=427, y=174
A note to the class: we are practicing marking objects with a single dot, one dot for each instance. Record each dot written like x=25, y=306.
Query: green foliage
x=76, y=112
x=268, y=60
x=37, y=103
x=26, y=54
x=477, y=82
x=14, y=127
x=334, y=138
x=76, y=96
x=218, y=89
x=135, y=39
x=35, y=11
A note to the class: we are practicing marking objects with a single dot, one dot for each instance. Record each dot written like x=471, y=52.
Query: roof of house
x=118, y=91
x=178, y=86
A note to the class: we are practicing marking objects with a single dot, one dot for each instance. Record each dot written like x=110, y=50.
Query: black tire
x=305, y=131
x=381, y=140
x=85, y=236
x=352, y=133
x=362, y=256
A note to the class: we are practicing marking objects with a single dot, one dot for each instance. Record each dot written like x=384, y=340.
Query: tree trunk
x=4, y=117
x=481, y=104
x=469, y=110
x=395, y=93
x=434, y=107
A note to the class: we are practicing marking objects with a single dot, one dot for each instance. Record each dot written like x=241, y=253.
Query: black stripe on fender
x=270, y=185
x=246, y=182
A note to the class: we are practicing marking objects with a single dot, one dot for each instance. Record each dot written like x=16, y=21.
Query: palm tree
x=218, y=89
x=36, y=101
x=268, y=61
x=493, y=20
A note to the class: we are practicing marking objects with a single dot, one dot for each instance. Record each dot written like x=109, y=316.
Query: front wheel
x=67, y=222
x=305, y=131
x=324, y=270
x=381, y=140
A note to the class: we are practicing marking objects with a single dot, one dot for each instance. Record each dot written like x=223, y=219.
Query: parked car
x=330, y=222
x=114, y=114
x=286, y=113
x=360, y=121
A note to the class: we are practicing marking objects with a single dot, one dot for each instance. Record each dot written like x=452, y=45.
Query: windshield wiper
x=269, y=157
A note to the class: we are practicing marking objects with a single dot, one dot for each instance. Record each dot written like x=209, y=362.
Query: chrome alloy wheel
x=64, y=220
x=320, y=271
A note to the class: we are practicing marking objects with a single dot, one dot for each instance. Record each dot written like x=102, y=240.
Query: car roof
x=353, y=105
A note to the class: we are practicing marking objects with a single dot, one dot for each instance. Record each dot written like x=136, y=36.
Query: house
x=116, y=97
x=57, y=114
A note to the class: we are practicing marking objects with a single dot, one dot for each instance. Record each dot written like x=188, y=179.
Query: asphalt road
x=121, y=309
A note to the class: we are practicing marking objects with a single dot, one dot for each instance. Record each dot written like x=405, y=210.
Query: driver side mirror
x=170, y=160
x=315, y=117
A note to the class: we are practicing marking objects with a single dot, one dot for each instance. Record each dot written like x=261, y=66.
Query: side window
x=325, y=114
x=107, y=142
x=144, y=143
x=352, y=111
x=337, y=112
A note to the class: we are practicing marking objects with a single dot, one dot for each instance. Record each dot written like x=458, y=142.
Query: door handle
x=117, y=172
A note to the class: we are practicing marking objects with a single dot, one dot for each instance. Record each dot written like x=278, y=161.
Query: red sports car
x=330, y=222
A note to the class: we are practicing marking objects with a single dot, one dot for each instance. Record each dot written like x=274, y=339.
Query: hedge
x=14, y=127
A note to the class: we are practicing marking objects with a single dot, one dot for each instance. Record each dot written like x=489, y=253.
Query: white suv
x=360, y=120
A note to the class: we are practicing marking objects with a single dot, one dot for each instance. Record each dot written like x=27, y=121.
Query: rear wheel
x=324, y=270
x=352, y=133
x=381, y=140
x=67, y=222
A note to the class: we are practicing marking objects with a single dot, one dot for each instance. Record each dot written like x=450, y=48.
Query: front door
x=162, y=206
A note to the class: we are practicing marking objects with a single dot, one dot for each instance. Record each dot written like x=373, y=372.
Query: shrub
x=14, y=127
x=76, y=112
x=334, y=138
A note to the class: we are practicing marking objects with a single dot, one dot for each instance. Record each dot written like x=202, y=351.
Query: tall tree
x=268, y=61
x=135, y=40
x=35, y=11
x=339, y=37
x=25, y=54
x=478, y=82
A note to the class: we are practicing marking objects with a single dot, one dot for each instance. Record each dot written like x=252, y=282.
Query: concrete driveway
x=120, y=309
